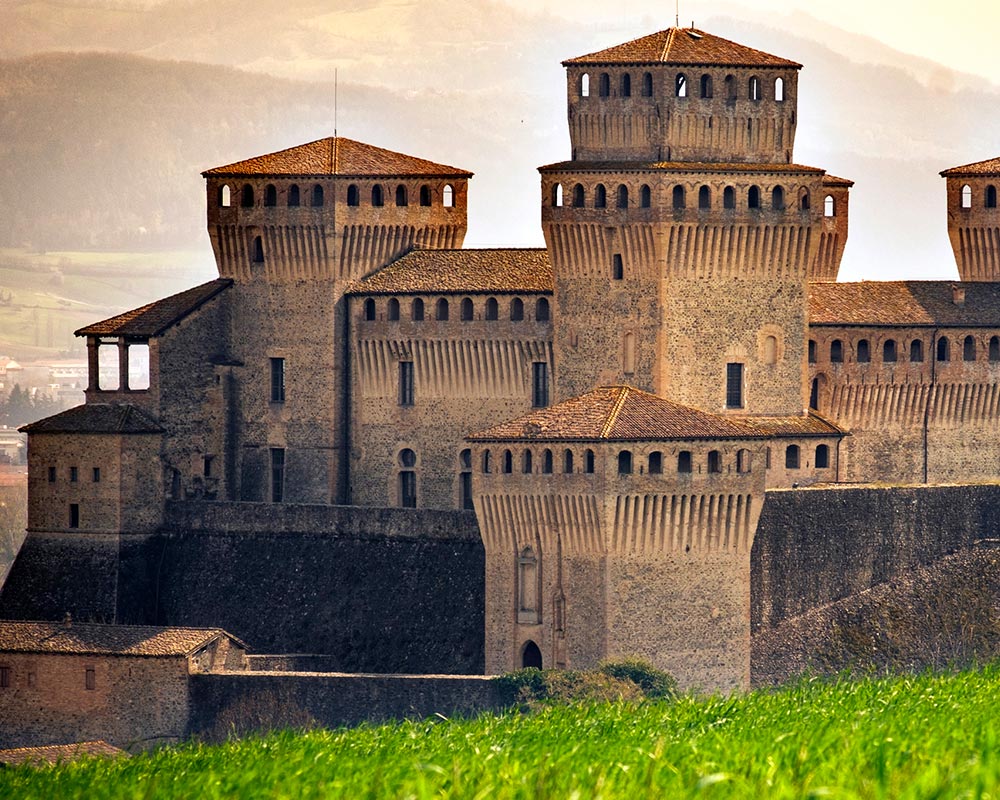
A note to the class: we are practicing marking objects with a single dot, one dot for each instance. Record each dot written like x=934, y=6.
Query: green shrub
x=628, y=679
x=654, y=683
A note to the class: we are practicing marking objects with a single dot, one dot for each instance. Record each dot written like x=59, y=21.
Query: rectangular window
x=277, y=380
x=539, y=384
x=74, y=474
x=74, y=515
x=4, y=677
x=97, y=474
x=406, y=383
x=466, y=486
x=52, y=474
x=90, y=678
x=207, y=466
x=408, y=488
x=277, y=474
x=734, y=386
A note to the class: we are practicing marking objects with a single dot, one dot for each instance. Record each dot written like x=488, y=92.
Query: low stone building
x=128, y=685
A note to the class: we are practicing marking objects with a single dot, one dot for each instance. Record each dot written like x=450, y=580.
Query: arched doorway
x=531, y=656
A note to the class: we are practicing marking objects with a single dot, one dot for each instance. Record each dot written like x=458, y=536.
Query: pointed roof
x=154, y=318
x=989, y=167
x=338, y=156
x=618, y=413
x=88, y=638
x=683, y=46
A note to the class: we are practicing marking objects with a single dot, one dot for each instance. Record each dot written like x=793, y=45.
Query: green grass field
x=928, y=736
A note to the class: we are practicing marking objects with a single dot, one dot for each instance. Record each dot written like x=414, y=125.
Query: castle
x=613, y=406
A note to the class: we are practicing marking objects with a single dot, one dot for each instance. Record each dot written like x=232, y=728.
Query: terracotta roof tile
x=833, y=180
x=93, y=639
x=496, y=270
x=989, y=167
x=97, y=418
x=809, y=425
x=683, y=46
x=154, y=318
x=337, y=156
x=56, y=753
x=679, y=166
x=619, y=413
x=891, y=303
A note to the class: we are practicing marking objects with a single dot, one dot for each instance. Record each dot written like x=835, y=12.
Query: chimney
x=958, y=294
x=68, y=620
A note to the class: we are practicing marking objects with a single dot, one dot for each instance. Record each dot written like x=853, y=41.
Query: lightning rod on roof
x=677, y=14
x=335, y=83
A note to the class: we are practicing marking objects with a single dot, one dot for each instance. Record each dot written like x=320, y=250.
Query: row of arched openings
x=528, y=462
x=314, y=197
x=989, y=196
x=793, y=457
x=892, y=350
x=682, y=86
x=466, y=309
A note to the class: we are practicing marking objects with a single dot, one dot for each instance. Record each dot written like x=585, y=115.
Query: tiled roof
x=989, y=167
x=809, y=425
x=833, y=180
x=677, y=166
x=683, y=46
x=928, y=303
x=56, y=753
x=97, y=418
x=337, y=156
x=84, y=638
x=154, y=318
x=618, y=413
x=454, y=271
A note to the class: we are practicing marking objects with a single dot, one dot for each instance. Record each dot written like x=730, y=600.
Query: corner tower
x=681, y=233
x=974, y=219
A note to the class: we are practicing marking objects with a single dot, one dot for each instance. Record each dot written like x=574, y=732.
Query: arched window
x=225, y=196
x=258, y=250
x=916, y=351
x=270, y=196
x=684, y=461
x=889, y=351
x=812, y=351
x=943, y=349
x=557, y=195
x=991, y=196
x=516, y=309
x=994, y=348
x=541, y=310
x=378, y=196
x=568, y=462
x=393, y=313
x=863, y=351
x=770, y=350
x=681, y=85
x=837, y=351
x=704, y=198
x=294, y=196
x=448, y=196
x=526, y=465
x=465, y=309
x=531, y=656
x=353, y=195
x=778, y=198
x=317, y=196
x=441, y=310
x=600, y=196
x=753, y=88
x=753, y=197
x=679, y=200
x=604, y=85
x=585, y=85
x=508, y=462
x=804, y=199
x=487, y=466
x=626, y=85
x=628, y=353
x=966, y=196
x=729, y=198
x=645, y=196
x=401, y=198
x=743, y=461
x=792, y=456
x=425, y=195
x=829, y=206
x=492, y=309
x=969, y=349
x=578, y=196
x=706, y=87
x=625, y=462
x=655, y=463
x=369, y=310
x=417, y=310
x=623, y=196
x=730, y=88
x=246, y=198
x=822, y=459
x=407, y=479
x=546, y=462
x=714, y=462
x=588, y=461
x=647, y=85
x=779, y=90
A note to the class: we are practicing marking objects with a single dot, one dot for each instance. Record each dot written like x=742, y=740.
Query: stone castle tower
x=974, y=219
x=682, y=218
